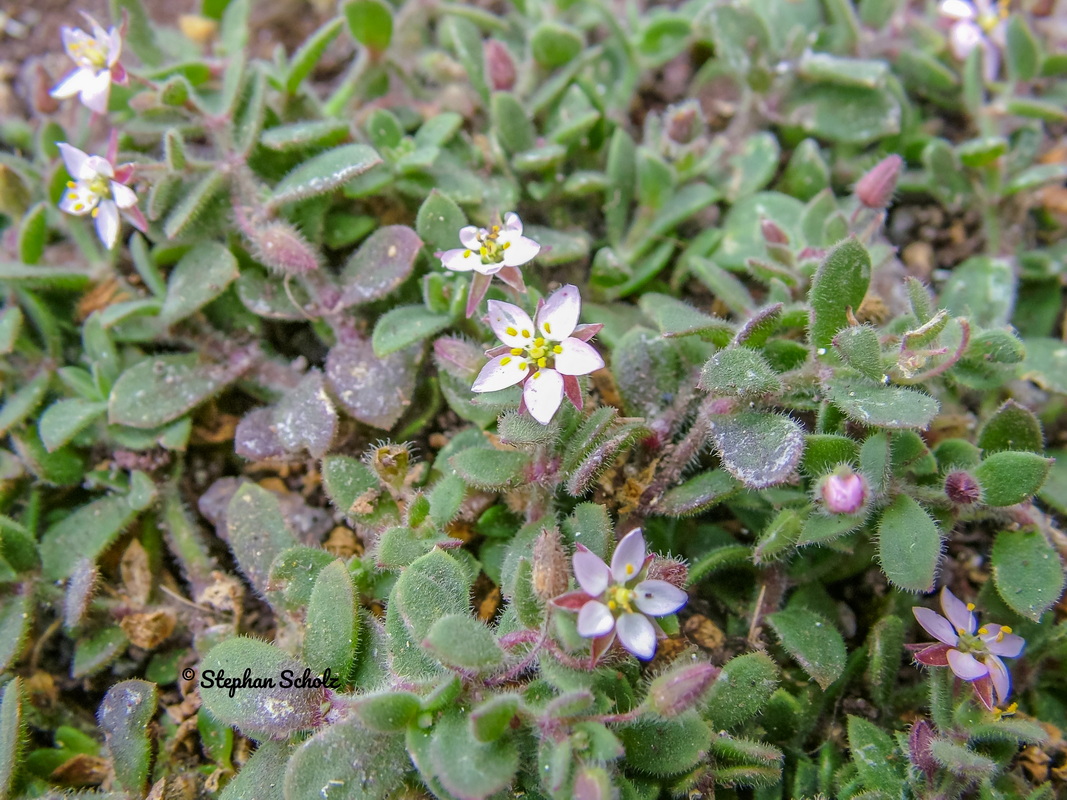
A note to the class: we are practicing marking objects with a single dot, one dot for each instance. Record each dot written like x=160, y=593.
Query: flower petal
x=1009, y=646
x=934, y=655
x=601, y=644
x=966, y=666
x=134, y=215
x=543, y=393
x=100, y=167
x=578, y=358
x=124, y=196
x=957, y=9
x=107, y=223
x=479, y=286
x=468, y=236
x=512, y=276
x=590, y=571
x=79, y=200
x=456, y=261
x=96, y=92
x=558, y=317
x=72, y=84
x=659, y=598
x=990, y=59
x=936, y=625
x=500, y=373
x=512, y=223
x=961, y=617
x=1000, y=676
x=585, y=332
x=510, y=323
x=114, y=48
x=572, y=390
x=629, y=557
x=594, y=620
x=637, y=634
x=572, y=601
x=519, y=250
x=72, y=38
x=983, y=687
x=76, y=162
x=963, y=38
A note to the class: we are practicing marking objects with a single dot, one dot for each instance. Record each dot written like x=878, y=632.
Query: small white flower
x=99, y=189
x=489, y=250
x=977, y=24
x=97, y=57
x=548, y=354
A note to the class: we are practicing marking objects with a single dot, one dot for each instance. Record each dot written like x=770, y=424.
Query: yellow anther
x=525, y=334
x=95, y=212
x=79, y=207
x=1000, y=636
x=466, y=253
x=71, y=184
x=983, y=631
x=548, y=327
x=970, y=606
x=484, y=251
x=1005, y=629
x=505, y=246
x=72, y=196
x=537, y=374
x=612, y=605
x=539, y=342
x=542, y=362
x=557, y=349
x=516, y=351
x=960, y=631
x=496, y=228
x=629, y=569
x=520, y=364
x=505, y=361
x=511, y=332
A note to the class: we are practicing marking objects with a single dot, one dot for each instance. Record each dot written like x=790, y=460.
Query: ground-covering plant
x=740, y=479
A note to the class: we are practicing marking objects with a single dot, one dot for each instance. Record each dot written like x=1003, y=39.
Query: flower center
x=621, y=599
x=973, y=643
x=540, y=354
x=89, y=53
x=491, y=249
x=100, y=186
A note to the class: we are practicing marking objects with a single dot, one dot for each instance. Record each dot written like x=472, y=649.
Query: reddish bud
x=772, y=233
x=679, y=690
x=499, y=66
x=875, y=189
x=919, y=740
x=844, y=492
x=671, y=570
x=683, y=123
x=550, y=571
x=962, y=489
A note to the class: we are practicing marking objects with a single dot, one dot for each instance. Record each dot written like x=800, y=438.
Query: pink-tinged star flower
x=97, y=57
x=497, y=250
x=977, y=24
x=620, y=600
x=973, y=653
x=844, y=492
x=99, y=189
x=548, y=353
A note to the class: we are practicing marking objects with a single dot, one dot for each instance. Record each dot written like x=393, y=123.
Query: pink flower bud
x=875, y=189
x=679, y=690
x=962, y=489
x=499, y=66
x=772, y=233
x=844, y=492
x=683, y=123
x=550, y=571
x=919, y=748
x=671, y=570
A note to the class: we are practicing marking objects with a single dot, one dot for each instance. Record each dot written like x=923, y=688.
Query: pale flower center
x=99, y=188
x=972, y=642
x=89, y=53
x=621, y=599
x=491, y=249
x=541, y=353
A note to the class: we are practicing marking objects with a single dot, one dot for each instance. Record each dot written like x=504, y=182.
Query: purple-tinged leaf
x=374, y=390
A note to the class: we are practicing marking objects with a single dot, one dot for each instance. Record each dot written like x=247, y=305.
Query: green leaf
x=1022, y=49
x=885, y=644
x=96, y=651
x=553, y=44
x=271, y=711
x=757, y=448
x=346, y=761
x=840, y=283
x=27, y=276
x=403, y=326
x=824, y=451
x=1011, y=476
x=331, y=635
x=305, y=417
x=33, y=234
x=307, y=57
x=374, y=390
x=387, y=712
x=383, y=262
x=511, y=123
x=65, y=419
x=882, y=406
x=201, y=275
x=622, y=174
x=16, y=619
x=827, y=68
x=140, y=34
x=812, y=641
x=160, y=389
x=124, y=716
x=664, y=747
x=880, y=764
x=85, y=533
x=697, y=494
x=861, y=350
x=909, y=545
x=491, y=469
x=305, y=135
x=1046, y=364
x=744, y=686
x=22, y=403
x=675, y=318
x=11, y=319
x=844, y=114
x=293, y=573
x=739, y=371
x=370, y=22
x=962, y=761
x=350, y=485
x=1012, y=427
x=463, y=642
x=263, y=775
x=467, y=767
x=11, y=734
x=982, y=289
x=193, y=202
x=446, y=499
x=753, y=167
x=325, y=172
x=257, y=533
x=1027, y=572
x=807, y=172
x=491, y=719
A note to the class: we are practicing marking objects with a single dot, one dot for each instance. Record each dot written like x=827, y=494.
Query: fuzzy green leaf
x=739, y=371
x=11, y=734
x=697, y=494
x=200, y=276
x=469, y=768
x=1011, y=476
x=1012, y=427
x=812, y=641
x=840, y=283
x=909, y=545
x=1027, y=572
x=664, y=747
x=741, y=690
x=882, y=406
x=346, y=761
x=324, y=173
x=160, y=389
x=124, y=715
x=463, y=642
x=759, y=449
x=403, y=326
x=85, y=533
x=332, y=630
x=257, y=533
x=491, y=469
x=381, y=264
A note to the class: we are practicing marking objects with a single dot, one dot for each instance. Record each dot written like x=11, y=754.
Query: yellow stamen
x=970, y=606
x=1005, y=629
x=496, y=228
x=505, y=246
x=516, y=351
x=629, y=569
x=520, y=364
x=548, y=327
x=466, y=253
x=537, y=374
x=960, y=631
x=95, y=212
x=525, y=334
x=612, y=605
x=511, y=332
x=557, y=349
x=983, y=631
x=79, y=207
x=484, y=251
x=539, y=342
x=542, y=362
x=505, y=361
x=71, y=184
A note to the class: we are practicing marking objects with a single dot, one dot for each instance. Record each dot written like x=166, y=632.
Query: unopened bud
x=499, y=66
x=962, y=489
x=679, y=690
x=683, y=123
x=592, y=783
x=875, y=189
x=550, y=572
x=279, y=246
x=844, y=492
x=772, y=233
x=919, y=740
x=672, y=570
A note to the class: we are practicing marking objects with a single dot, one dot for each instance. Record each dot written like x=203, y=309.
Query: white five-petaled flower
x=497, y=250
x=99, y=189
x=620, y=600
x=97, y=57
x=972, y=653
x=548, y=353
x=977, y=24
